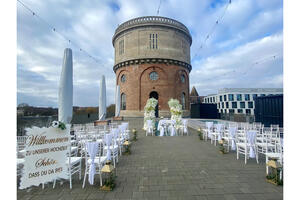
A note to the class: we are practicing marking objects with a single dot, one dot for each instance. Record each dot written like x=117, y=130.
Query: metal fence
x=204, y=111
x=269, y=110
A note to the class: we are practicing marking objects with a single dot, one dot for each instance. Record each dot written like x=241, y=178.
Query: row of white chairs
x=251, y=140
x=167, y=127
x=109, y=139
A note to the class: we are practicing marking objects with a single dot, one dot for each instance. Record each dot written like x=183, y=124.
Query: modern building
x=239, y=100
x=152, y=59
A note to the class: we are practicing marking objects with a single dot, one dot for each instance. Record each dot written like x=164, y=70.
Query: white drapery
x=92, y=148
x=251, y=139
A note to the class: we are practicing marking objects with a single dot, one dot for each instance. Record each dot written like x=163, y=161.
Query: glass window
x=240, y=110
x=222, y=104
x=254, y=96
x=239, y=97
x=242, y=104
x=219, y=105
x=121, y=47
x=183, y=101
x=123, y=78
x=227, y=104
x=225, y=99
x=221, y=110
x=230, y=97
x=250, y=104
x=247, y=97
x=262, y=95
x=182, y=77
x=231, y=110
x=248, y=111
x=234, y=105
x=153, y=76
x=220, y=98
x=123, y=101
x=153, y=41
x=225, y=111
x=214, y=100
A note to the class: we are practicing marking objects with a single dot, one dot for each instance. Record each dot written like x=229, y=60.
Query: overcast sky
x=239, y=53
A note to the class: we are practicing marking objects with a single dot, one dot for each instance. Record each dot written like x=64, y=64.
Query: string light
x=59, y=33
x=245, y=72
x=212, y=30
x=158, y=8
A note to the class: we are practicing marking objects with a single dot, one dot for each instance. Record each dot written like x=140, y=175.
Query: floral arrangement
x=149, y=112
x=176, y=112
x=58, y=124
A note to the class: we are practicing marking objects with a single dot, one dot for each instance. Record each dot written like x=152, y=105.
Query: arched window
x=123, y=101
x=182, y=77
x=183, y=101
x=123, y=78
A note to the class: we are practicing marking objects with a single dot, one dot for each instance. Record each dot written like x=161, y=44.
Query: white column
x=65, y=94
x=102, y=99
x=117, y=101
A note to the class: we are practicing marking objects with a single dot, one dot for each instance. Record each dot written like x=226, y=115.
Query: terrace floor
x=179, y=167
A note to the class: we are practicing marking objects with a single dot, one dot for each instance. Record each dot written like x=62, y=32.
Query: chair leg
x=85, y=173
x=54, y=182
x=100, y=178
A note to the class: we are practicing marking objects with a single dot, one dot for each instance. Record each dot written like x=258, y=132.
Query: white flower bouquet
x=149, y=112
x=176, y=112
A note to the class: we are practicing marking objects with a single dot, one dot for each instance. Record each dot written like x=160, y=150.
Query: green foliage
x=110, y=181
x=62, y=126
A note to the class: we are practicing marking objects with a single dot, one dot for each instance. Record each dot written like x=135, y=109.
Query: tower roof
x=194, y=92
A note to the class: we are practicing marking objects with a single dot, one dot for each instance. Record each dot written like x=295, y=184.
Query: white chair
x=150, y=128
x=171, y=128
x=278, y=154
x=217, y=134
x=93, y=162
x=162, y=127
x=183, y=127
x=246, y=146
x=110, y=147
x=230, y=138
x=74, y=164
x=208, y=130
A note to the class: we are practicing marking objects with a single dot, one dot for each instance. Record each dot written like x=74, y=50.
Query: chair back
x=232, y=132
x=251, y=137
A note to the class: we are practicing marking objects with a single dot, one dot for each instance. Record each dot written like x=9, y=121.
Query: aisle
x=180, y=167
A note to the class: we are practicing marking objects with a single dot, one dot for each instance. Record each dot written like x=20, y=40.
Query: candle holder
x=275, y=174
x=109, y=174
x=127, y=144
x=200, y=134
x=134, y=134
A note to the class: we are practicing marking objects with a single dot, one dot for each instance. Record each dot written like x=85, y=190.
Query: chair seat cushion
x=112, y=147
x=273, y=155
x=73, y=160
x=96, y=160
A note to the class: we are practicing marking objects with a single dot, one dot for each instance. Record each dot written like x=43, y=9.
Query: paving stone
x=180, y=167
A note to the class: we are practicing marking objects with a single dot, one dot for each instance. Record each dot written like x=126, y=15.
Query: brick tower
x=152, y=59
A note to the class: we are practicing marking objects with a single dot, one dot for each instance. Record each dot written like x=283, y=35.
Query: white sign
x=45, y=155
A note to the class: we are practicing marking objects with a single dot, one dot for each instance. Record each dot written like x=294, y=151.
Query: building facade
x=239, y=100
x=152, y=59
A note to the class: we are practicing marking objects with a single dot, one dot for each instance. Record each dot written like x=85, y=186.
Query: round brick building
x=152, y=59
